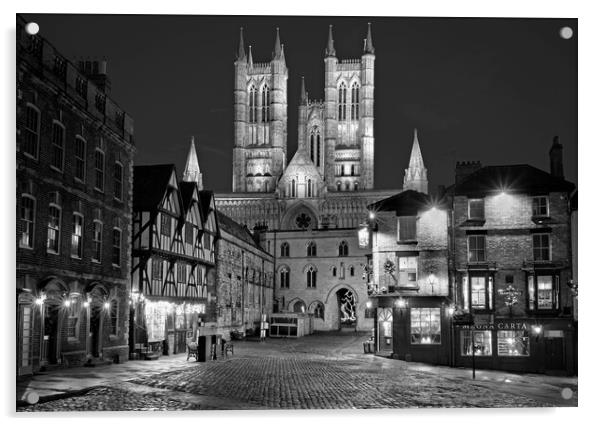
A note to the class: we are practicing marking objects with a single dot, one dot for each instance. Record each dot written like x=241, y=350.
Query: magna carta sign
x=499, y=326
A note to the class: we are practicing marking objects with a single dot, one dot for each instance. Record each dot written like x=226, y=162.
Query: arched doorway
x=299, y=307
x=385, y=329
x=97, y=297
x=52, y=294
x=347, y=309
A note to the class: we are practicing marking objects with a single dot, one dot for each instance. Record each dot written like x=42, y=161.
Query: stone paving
x=316, y=372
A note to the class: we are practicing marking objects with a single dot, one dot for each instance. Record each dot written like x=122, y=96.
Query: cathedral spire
x=330, y=51
x=192, y=171
x=250, y=61
x=241, y=49
x=277, y=45
x=415, y=177
x=368, y=47
x=303, y=98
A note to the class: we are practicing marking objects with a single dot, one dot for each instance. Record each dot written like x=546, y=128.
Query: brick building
x=173, y=261
x=74, y=189
x=511, y=258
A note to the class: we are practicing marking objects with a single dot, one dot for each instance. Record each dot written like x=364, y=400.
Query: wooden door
x=554, y=353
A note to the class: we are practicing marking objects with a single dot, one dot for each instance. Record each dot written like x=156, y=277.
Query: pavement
x=321, y=371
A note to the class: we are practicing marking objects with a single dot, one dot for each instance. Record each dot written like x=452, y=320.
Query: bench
x=228, y=347
x=193, y=351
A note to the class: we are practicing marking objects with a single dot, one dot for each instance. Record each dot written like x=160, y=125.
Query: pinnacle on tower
x=368, y=46
x=415, y=177
x=277, y=45
x=330, y=51
x=192, y=171
x=241, y=49
x=250, y=61
x=303, y=98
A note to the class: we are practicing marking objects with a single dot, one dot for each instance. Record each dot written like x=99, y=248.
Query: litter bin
x=367, y=348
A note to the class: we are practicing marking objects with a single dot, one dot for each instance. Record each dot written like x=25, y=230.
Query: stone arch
x=297, y=301
x=338, y=287
x=54, y=288
x=295, y=211
x=312, y=309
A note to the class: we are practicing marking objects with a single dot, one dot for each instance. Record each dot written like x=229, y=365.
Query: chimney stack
x=556, y=168
x=465, y=168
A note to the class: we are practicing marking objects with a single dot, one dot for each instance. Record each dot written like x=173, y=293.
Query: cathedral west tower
x=260, y=120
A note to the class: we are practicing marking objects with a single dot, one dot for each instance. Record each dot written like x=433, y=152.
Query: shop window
x=481, y=292
x=311, y=249
x=541, y=247
x=476, y=209
x=512, y=343
x=476, y=248
x=406, y=228
x=541, y=206
x=408, y=271
x=482, y=342
x=425, y=326
x=543, y=292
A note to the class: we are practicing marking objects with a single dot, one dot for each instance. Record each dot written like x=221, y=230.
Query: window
x=253, y=104
x=189, y=233
x=60, y=67
x=166, y=225
x=285, y=276
x=482, y=342
x=157, y=269
x=31, y=131
x=58, y=146
x=181, y=273
x=311, y=249
x=118, y=181
x=73, y=313
x=543, y=292
x=114, y=313
x=97, y=241
x=347, y=186
x=352, y=173
x=541, y=247
x=100, y=102
x=512, y=343
x=481, y=292
x=309, y=194
x=80, y=158
x=476, y=209
x=355, y=101
x=99, y=170
x=334, y=271
x=342, y=271
x=541, y=206
x=406, y=228
x=476, y=248
x=343, y=249
x=265, y=104
x=318, y=148
x=319, y=311
x=311, y=277
x=54, y=228
x=293, y=188
x=408, y=271
x=81, y=87
x=284, y=250
x=77, y=236
x=28, y=213
x=426, y=326
x=342, y=102
x=338, y=186
x=356, y=186
x=351, y=271
x=116, y=259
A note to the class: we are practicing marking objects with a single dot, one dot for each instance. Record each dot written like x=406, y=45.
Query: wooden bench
x=228, y=347
x=193, y=351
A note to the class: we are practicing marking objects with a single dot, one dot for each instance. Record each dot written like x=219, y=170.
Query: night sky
x=495, y=90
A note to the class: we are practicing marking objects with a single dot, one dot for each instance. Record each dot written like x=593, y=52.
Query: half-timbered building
x=173, y=262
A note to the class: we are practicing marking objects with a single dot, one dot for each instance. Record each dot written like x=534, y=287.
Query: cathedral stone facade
x=309, y=209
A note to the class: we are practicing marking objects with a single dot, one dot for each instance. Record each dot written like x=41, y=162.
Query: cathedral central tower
x=260, y=120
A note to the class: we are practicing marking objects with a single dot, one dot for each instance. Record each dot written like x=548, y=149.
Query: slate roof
x=406, y=203
x=150, y=183
x=520, y=178
x=237, y=230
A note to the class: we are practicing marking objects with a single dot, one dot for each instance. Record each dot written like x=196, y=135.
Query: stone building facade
x=75, y=151
x=322, y=194
x=511, y=262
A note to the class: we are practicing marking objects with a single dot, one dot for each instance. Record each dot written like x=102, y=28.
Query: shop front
x=517, y=344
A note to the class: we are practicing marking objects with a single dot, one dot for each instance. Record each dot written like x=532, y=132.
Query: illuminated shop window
x=425, y=326
x=512, y=343
x=482, y=342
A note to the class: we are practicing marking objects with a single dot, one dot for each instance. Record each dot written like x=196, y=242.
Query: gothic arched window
x=253, y=104
x=311, y=249
x=353, y=170
x=355, y=101
x=347, y=186
x=284, y=250
x=338, y=186
x=318, y=150
x=351, y=271
x=311, y=147
x=342, y=102
x=319, y=311
x=285, y=275
x=356, y=186
x=343, y=248
x=265, y=104
x=334, y=271
x=310, y=276
x=309, y=194
x=293, y=188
